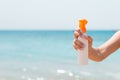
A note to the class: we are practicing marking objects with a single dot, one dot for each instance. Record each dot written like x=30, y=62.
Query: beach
x=49, y=55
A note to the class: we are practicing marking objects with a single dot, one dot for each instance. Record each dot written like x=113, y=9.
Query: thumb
x=90, y=40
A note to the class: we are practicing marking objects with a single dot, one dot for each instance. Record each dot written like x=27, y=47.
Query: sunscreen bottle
x=83, y=53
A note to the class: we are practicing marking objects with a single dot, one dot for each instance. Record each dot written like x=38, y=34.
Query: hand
x=78, y=44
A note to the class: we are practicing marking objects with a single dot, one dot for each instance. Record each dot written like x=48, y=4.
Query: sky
x=59, y=14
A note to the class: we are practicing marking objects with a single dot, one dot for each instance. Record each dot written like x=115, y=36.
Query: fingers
x=80, y=44
x=77, y=33
x=90, y=40
x=77, y=44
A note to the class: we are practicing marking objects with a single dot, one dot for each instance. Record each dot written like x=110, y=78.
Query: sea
x=49, y=55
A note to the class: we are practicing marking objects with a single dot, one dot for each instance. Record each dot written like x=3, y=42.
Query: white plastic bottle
x=83, y=53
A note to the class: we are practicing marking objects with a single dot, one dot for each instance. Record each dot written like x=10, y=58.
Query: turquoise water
x=49, y=55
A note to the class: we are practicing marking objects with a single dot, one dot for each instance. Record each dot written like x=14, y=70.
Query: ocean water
x=49, y=55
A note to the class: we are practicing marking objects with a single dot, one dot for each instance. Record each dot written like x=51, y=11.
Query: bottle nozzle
x=82, y=25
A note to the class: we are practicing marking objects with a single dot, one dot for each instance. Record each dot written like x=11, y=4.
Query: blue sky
x=59, y=14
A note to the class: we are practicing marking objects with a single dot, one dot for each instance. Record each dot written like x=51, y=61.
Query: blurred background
x=36, y=39
x=58, y=15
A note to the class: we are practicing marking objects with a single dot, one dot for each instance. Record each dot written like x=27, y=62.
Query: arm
x=100, y=53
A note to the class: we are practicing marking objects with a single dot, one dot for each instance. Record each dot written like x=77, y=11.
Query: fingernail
x=84, y=36
x=81, y=48
x=80, y=32
x=83, y=45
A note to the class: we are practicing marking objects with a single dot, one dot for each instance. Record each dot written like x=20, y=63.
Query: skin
x=97, y=53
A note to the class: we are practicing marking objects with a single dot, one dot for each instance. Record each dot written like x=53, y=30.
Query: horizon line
x=31, y=29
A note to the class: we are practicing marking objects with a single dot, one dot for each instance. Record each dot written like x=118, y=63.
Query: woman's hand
x=97, y=53
x=78, y=45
